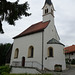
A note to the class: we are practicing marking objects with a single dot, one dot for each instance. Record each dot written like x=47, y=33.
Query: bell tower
x=48, y=11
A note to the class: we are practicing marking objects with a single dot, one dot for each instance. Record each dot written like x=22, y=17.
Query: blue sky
x=64, y=20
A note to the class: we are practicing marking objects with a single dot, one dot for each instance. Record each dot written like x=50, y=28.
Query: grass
x=30, y=74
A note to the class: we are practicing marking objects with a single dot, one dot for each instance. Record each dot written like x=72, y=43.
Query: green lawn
x=29, y=74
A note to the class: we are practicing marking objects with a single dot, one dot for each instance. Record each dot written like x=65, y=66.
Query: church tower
x=52, y=45
x=48, y=11
x=48, y=15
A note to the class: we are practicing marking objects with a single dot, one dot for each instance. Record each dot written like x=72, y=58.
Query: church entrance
x=23, y=61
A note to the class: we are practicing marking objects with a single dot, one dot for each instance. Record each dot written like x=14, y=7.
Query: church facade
x=39, y=46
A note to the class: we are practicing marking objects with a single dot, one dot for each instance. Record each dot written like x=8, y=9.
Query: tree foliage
x=12, y=11
x=3, y=50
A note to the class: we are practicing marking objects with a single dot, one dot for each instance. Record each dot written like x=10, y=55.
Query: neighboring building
x=70, y=52
x=38, y=47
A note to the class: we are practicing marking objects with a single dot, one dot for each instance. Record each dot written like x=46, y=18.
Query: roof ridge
x=39, y=22
x=36, y=23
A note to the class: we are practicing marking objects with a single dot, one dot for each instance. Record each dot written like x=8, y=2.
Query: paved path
x=71, y=71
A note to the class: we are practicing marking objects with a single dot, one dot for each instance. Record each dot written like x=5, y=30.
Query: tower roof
x=48, y=2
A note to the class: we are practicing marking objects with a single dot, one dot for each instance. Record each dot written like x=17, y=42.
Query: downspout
x=42, y=47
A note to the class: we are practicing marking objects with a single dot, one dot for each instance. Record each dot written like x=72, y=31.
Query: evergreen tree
x=3, y=50
x=12, y=11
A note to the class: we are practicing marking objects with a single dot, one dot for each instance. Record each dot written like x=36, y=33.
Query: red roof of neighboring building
x=34, y=28
x=69, y=49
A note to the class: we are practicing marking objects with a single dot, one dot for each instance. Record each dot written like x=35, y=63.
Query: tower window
x=50, y=52
x=46, y=11
x=52, y=12
x=30, y=52
x=16, y=53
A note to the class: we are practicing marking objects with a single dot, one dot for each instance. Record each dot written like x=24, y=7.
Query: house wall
x=58, y=57
x=71, y=56
x=23, y=43
x=24, y=70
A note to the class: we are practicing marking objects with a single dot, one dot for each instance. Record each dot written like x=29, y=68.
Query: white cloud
x=64, y=20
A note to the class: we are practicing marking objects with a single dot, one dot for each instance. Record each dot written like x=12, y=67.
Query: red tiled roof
x=34, y=28
x=69, y=49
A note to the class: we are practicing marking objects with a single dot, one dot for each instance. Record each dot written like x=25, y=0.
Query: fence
x=27, y=64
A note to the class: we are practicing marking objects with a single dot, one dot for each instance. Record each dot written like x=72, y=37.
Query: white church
x=38, y=47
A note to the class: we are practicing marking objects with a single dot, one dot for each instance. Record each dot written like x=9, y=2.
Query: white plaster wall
x=23, y=43
x=48, y=16
x=24, y=70
x=50, y=31
x=67, y=56
x=59, y=57
x=71, y=56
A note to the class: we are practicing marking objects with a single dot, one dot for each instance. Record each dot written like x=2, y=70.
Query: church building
x=38, y=47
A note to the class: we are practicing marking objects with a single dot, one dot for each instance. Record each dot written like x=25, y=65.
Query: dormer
x=48, y=11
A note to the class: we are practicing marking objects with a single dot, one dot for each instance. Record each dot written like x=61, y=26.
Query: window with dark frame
x=46, y=11
x=30, y=52
x=16, y=53
x=50, y=52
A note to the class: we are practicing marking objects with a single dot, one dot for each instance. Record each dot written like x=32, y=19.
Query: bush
x=73, y=62
x=67, y=61
x=4, y=73
x=4, y=69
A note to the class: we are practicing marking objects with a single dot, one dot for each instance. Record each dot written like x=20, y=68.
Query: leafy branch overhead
x=12, y=11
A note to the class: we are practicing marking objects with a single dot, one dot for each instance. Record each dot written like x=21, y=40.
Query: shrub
x=4, y=69
x=4, y=73
x=73, y=61
x=67, y=61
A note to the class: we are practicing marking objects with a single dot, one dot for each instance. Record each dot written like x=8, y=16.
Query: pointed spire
x=48, y=2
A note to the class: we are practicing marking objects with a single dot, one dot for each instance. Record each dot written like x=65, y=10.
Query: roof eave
x=28, y=34
x=56, y=43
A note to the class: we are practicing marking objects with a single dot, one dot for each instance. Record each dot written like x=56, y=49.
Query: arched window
x=46, y=11
x=30, y=52
x=16, y=53
x=52, y=12
x=50, y=52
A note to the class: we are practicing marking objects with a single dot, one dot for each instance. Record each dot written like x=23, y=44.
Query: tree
x=12, y=11
x=3, y=50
